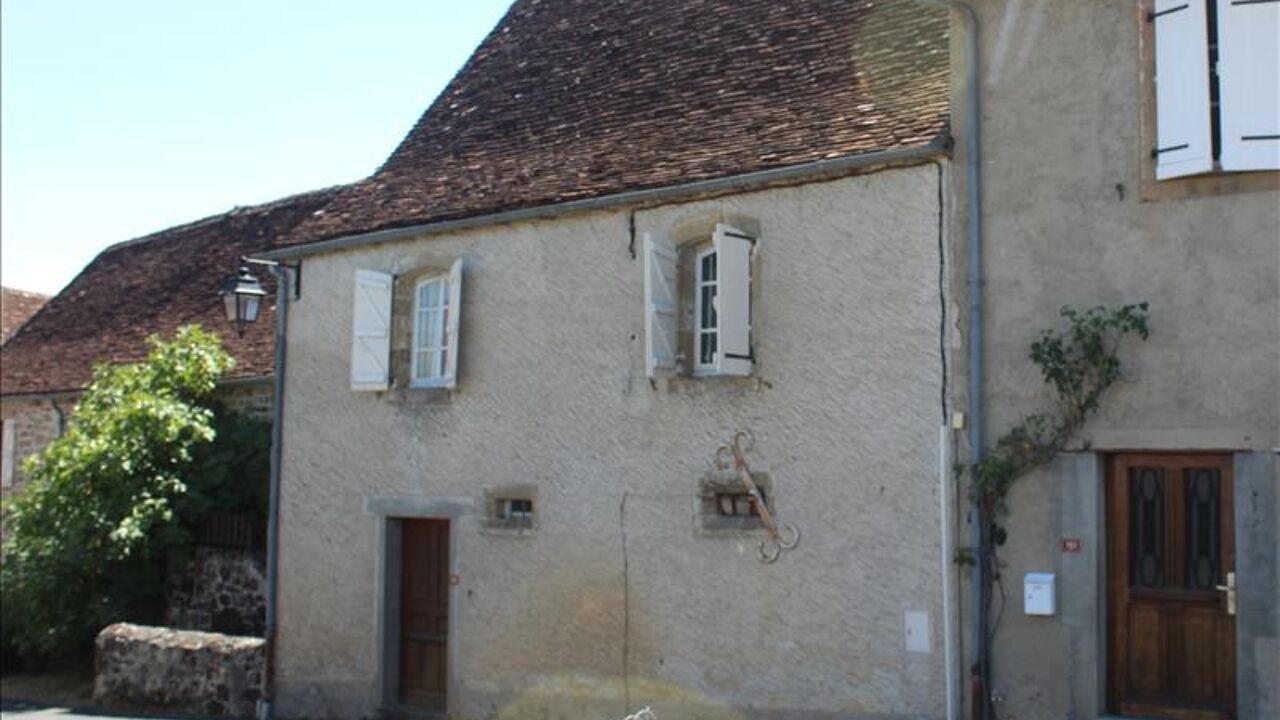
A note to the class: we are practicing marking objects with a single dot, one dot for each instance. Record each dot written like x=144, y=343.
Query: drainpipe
x=973, y=177
x=266, y=706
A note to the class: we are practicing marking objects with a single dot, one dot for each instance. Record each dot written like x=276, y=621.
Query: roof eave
x=790, y=174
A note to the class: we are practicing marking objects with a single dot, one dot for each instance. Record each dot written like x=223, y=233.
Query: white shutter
x=733, y=300
x=371, y=331
x=1184, y=144
x=7, y=450
x=1249, y=84
x=659, y=304
x=453, y=322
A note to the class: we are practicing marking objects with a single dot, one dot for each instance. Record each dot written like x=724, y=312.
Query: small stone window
x=511, y=508
x=517, y=511
x=725, y=506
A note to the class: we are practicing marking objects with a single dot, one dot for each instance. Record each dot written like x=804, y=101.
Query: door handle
x=1230, y=590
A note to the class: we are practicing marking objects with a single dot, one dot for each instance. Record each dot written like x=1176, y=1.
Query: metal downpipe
x=266, y=708
x=976, y=345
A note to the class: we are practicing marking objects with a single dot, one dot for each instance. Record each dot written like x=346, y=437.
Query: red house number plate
x=1071, y=545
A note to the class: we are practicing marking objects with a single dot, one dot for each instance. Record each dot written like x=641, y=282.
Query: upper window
x=1217, y=86
x=715, y=337
x=423, y=316
x=430, y=350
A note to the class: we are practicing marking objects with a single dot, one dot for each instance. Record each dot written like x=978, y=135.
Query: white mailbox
x=1039, y=593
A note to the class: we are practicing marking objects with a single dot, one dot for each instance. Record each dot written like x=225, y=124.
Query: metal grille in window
x=737, y=504
x=1203, y=529
x=1146, y=527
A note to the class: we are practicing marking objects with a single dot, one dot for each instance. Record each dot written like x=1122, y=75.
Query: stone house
x=131, y=290
x=624, y=233
x=16, y=307
x=1102, y=186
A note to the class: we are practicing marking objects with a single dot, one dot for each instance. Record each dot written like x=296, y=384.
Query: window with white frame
x=428, y=320
x=430, y=349
x=706, y=332
x=714, y=336
x=1217, y=86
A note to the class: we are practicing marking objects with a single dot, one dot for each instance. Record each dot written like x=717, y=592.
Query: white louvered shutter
x=371, y=331
x=733, y=300
x=1184, y=144
x=453, y=323
x=659, y=304
x=1249, y=84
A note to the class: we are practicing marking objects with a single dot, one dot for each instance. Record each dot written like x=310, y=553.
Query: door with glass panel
x=1171, y=587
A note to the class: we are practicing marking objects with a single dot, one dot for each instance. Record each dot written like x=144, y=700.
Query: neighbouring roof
x=154, y=284
x=572, y=99
x=15, y=307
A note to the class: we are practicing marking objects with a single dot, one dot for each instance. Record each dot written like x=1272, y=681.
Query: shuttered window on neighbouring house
x=1217, y=86
x=1249, y=83
x=1184, y=141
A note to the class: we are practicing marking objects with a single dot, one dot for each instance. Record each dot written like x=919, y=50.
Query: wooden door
x=424, y=613
x=1171, y=636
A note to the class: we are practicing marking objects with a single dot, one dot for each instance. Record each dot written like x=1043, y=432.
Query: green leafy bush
x=89, y=530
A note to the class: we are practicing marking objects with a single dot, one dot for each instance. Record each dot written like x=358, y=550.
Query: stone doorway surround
x=1079, y=478
x=389, y=511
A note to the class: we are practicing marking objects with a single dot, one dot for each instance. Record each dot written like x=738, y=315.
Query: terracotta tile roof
x=570, y=99
x=152, y=285
x=15, y=307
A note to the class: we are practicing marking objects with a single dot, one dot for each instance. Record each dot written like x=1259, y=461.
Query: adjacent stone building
x=150, y=285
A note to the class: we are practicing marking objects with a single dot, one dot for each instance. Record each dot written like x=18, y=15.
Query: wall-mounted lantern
x=242, y=295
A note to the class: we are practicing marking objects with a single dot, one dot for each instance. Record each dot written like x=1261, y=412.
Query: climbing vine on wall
x=1078, y=363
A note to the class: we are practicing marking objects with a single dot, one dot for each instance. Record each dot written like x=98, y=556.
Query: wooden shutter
x=371, y=331
x=1249, y=84
x=733, y=300
x=453, y=322
x=659, y=304
x=1184, y=144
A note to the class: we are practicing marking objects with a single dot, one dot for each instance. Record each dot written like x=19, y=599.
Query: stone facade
x=178, y=671
x=617, y=589
x=218, y=590
x=35, y=423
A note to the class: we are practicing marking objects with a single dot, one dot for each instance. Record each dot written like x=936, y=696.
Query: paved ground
x=22, y=710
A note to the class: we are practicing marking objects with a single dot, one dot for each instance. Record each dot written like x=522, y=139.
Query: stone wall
x=35, y=425
x=218, y=590
x=180, y=671
x=252, y=398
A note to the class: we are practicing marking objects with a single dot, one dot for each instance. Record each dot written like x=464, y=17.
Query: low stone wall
x=218, y=590
x=178, y=671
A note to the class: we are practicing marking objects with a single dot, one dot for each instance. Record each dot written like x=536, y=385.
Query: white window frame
x=441, y=346
x=699, y=282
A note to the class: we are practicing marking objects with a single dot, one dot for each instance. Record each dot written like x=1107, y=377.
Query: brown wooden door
x=424, y=613
x=1171, y=639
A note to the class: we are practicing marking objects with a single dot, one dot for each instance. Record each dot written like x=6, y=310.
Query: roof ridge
x=236, y=210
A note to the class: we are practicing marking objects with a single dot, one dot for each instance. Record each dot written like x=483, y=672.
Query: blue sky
x=121, y=118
